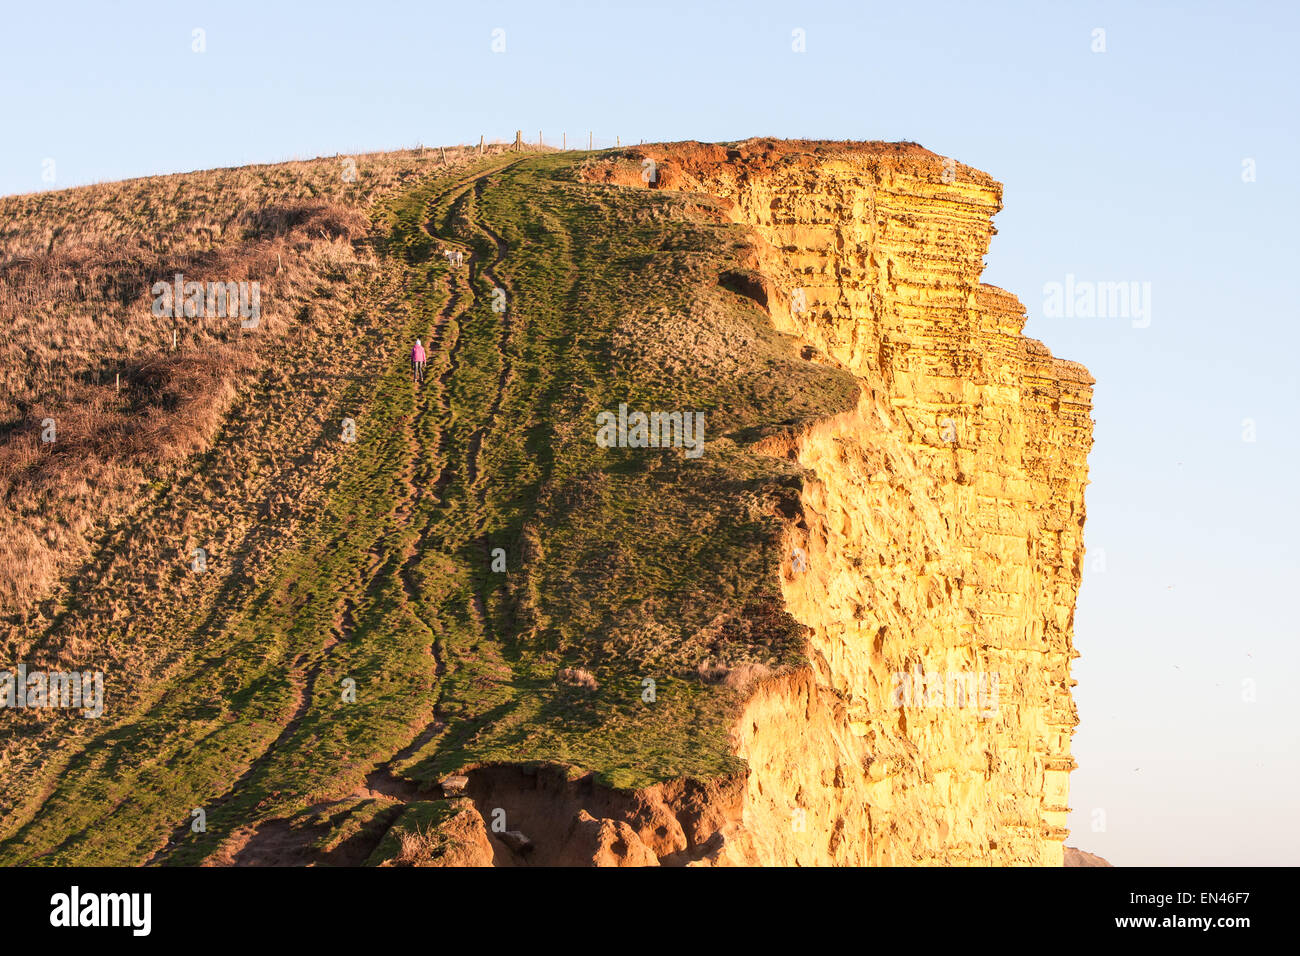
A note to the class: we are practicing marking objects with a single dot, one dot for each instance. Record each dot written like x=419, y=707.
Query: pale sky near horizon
x=1167, y=159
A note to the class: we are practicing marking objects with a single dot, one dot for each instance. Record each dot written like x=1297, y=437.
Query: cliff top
x=760, y=154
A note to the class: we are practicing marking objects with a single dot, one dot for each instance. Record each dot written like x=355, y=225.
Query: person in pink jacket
x=417, y=360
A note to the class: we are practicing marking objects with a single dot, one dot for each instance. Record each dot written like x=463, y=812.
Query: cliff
x=940, y=543
x=446, y=622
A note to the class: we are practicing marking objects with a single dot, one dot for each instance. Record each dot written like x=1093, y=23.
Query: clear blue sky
x=1119, y=166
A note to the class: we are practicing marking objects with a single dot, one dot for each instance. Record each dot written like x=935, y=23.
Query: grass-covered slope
x=377, y=562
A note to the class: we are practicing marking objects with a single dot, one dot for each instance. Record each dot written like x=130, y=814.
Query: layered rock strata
x=939, y=553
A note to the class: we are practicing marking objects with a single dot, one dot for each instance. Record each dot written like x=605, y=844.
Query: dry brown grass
x=416, y=846
x=76, y=272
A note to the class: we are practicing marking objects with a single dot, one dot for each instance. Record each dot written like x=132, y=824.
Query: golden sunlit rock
x=938, y=556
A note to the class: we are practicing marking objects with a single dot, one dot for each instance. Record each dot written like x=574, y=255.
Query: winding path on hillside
x=444, y=342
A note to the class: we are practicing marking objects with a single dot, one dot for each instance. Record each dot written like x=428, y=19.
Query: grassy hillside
x=128, y=390
x=372, y=561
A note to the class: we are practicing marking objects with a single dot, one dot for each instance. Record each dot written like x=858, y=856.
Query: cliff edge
x=938, y=552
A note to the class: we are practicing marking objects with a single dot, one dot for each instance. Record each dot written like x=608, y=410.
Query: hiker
x=417, y=360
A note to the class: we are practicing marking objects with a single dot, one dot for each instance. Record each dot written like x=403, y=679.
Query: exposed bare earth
x=1076, y=857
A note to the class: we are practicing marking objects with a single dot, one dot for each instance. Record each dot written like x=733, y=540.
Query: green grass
x=418, y=818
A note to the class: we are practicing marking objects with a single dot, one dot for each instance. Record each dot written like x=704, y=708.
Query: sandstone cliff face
x=940, y=549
